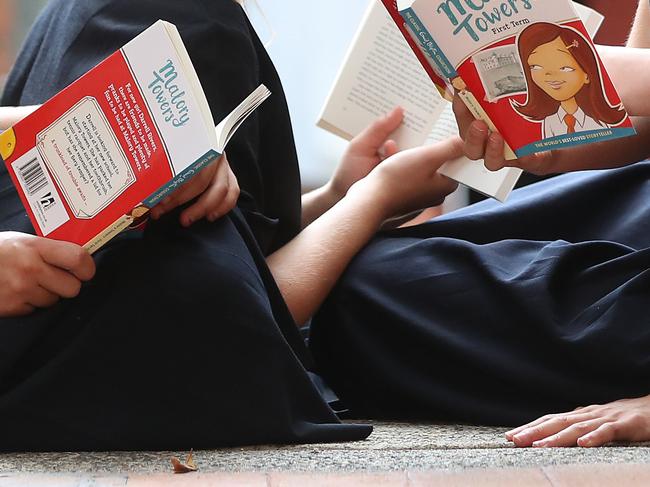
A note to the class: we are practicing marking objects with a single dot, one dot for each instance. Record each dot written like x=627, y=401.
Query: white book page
x=229, y=125
x=379, y=73
x=591, y=18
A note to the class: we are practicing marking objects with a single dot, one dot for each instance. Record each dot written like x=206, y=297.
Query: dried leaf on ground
x=187, y=467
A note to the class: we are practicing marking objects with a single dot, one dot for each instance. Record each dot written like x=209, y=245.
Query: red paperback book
x=527, y=67
x=97, y=156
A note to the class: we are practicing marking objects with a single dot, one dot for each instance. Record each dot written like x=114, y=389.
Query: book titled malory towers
x=96, y=157
x=526, y=67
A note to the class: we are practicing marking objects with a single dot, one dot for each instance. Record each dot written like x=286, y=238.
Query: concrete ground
x=396, y=454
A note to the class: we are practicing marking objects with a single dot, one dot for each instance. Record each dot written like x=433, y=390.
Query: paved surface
x=392, y=447
x=396, y=454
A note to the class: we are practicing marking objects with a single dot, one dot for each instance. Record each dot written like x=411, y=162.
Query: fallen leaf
x=187, y=467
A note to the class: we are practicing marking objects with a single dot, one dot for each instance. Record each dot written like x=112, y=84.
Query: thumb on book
x=446, y=150
x=375, y=134
x=67, y=256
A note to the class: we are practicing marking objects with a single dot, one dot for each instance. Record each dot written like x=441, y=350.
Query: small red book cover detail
x=528, y=68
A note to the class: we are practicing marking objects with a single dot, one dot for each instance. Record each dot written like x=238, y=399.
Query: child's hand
x=365, y=152
x=625, y=420
x=409, y=181
x=37, y=272
x=217, y=190
x=481, y=144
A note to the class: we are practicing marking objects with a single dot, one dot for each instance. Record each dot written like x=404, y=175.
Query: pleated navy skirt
x=180, y=341
x=497, y=314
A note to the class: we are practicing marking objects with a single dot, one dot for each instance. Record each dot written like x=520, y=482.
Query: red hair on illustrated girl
x=560, y=64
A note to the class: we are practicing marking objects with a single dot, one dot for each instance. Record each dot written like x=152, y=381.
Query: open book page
x=229, y=125
x=497, y=184
x=592, y=19
x=379, y=73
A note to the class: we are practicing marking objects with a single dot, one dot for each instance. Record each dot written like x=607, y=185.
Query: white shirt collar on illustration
x=554, y=124
x=579, y=115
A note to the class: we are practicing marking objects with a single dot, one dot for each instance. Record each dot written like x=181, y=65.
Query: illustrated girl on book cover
x=564, y=82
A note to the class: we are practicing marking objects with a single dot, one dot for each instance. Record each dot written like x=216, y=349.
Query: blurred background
x=307, y=56
x=16, y=16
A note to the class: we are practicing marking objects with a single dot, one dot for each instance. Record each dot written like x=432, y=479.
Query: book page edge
x=333, y=129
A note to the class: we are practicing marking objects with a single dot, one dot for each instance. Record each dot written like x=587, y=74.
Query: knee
x=203, y=274
x=216, y=280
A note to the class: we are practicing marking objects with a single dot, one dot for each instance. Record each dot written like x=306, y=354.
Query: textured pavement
x=392, y=448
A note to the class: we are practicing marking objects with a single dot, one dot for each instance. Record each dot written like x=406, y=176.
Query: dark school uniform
x=182, y=340
x=498, y=314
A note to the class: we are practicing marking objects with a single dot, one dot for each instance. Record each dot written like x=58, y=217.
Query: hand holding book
x=480, y=143
x=134, y=133
x=37, y=272
x=216, y=189
x=216, y=186
x=366, y=151
x=410, y=180
x=529, y=70
x=382, y=70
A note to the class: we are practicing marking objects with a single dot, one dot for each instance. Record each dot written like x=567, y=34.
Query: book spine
x=434, y=52
x=427, y=43
x=181, y=178
x=108, y=234
x=441, y=84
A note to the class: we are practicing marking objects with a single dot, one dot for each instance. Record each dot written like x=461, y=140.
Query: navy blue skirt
x=497, y=314
x=181, y=340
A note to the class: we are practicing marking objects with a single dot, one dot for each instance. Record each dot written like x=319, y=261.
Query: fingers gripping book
x=382, y=70
x=113, y=144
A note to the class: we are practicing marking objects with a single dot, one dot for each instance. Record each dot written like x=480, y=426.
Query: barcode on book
x=33, y=176
x=40, y=192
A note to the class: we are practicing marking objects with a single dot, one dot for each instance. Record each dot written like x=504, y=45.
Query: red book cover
x=527, y=67
x=98, y=155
